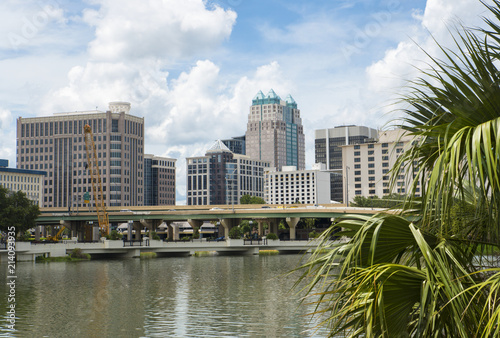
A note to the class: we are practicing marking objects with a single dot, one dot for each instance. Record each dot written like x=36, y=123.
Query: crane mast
x=95, y=175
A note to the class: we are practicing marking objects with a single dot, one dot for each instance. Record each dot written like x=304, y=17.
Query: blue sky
x=191, y=67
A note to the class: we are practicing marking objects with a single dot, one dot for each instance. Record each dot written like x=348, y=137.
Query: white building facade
x=29, y=182
x=366, y=167
x=293, y=186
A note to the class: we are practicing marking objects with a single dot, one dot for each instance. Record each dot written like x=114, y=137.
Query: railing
x=259, y=241
x=296, y=239
x=136, y=243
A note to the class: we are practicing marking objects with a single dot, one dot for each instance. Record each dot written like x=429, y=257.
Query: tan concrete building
x=274, y=131
x=366, y=166
x=56, y=144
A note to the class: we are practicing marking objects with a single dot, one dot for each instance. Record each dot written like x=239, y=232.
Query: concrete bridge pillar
x=38, y=232
x=195, y=224
x=129, y=230
x=292, y=223
x=175, y=231
x=273, y=225
x=228, y=223
x=170, y=230
x=137, y=227
x=260, y=227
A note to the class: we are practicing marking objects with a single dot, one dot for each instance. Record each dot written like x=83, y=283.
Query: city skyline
x=191, y=68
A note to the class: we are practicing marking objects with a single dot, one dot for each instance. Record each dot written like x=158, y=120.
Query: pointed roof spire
x=290, y=102
x=259, y=96
x=272, y=95
x=218, y=147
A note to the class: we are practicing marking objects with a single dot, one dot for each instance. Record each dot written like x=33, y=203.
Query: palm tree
x=423, y=271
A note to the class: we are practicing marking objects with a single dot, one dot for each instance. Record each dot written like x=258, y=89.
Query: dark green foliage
x=16, y=211
x=389, y=201
x=235, y=233
x=114, y=235
x=272, y=236
x=247, y=199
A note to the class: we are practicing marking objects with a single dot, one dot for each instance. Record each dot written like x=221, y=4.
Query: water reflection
x=243, y=296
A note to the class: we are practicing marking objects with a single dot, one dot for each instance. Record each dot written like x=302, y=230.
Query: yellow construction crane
x=95, y=175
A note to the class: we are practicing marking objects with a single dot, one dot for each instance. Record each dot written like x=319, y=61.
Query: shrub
x=78, y=254
x=272, y=236
x=114, y=235
x=313, y=234
x=235, y=233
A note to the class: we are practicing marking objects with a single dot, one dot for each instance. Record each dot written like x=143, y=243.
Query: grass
x=204, y=253
x=148, y=255
x=268, y=252
x=43, y=259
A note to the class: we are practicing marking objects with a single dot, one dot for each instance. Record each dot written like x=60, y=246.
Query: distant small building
x=222, y=177
x=159, y=180
x=28, y=181
x=292, y=186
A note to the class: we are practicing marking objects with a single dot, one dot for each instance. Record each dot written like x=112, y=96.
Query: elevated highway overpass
x=228, y=215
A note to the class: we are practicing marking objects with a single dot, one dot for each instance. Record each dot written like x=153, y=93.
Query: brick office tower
x=56, y=144
x=274, y=131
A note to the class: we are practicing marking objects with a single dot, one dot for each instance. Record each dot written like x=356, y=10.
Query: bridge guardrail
x=136, y=243
x=260, y=241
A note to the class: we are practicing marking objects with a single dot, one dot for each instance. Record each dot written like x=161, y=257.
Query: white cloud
x=7, y=131
x=131, y=30
x=26, y=23
x=388, y=76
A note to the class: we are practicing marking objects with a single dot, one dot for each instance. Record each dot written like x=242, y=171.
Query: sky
x=192, y=67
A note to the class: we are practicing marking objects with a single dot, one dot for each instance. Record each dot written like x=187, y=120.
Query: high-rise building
x=367, y=166
x=221, y=177
x=290, y=185
x=236, y=144
x=159, y=180
x=274, y=131
x=56, y=144
x=328, y=150
x=28, y=181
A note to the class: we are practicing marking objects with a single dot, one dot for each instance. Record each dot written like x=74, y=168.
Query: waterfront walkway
x=26, y=251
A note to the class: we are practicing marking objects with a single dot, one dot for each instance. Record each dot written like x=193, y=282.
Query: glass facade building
x=328, y=150
x=222, y=177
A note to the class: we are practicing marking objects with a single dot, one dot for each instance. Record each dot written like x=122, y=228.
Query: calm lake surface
x=214, y=296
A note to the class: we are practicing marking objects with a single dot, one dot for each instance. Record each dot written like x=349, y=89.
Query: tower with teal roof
x=275, y=132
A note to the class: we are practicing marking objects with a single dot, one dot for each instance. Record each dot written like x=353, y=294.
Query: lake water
x=214, y=296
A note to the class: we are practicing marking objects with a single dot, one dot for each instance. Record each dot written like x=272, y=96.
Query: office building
x=159, y=180
x=28, y=181
x=367, y=166
x=290, y=185
x=56, y=144
x=222, y=177
x=328, y=150
x=236, y=145
x=274, y=131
